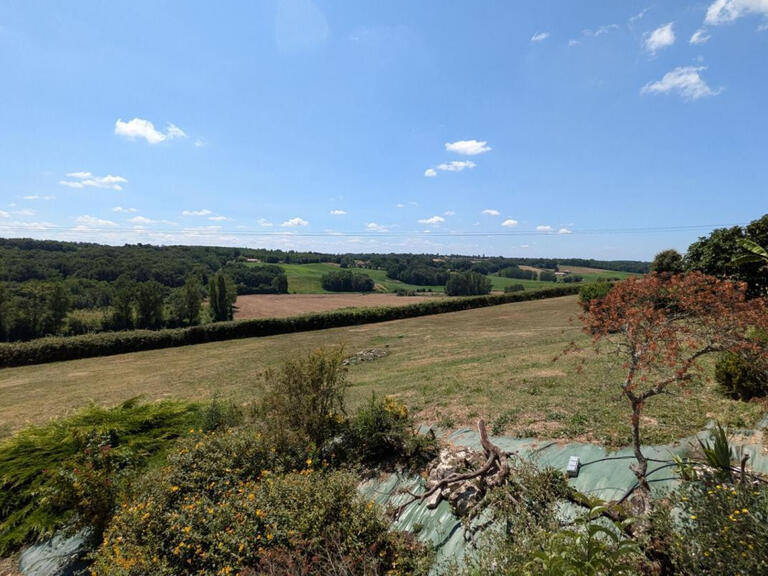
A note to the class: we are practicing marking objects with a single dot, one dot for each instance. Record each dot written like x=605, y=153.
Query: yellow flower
x=174, y=488
x=309, y=462
x=693, y=516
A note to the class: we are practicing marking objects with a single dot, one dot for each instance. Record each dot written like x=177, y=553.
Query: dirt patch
x=9, y=567
x=283, y=305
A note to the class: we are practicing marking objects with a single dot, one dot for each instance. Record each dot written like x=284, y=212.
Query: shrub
x=593, y=291
x=514, y=288
x=304, y=399
x=347, y=281
x=39, y=464
x=547, y=276
x=223, y=507
x=383, y=431
x=718, y=528
x=741, y=376
x=467, y=284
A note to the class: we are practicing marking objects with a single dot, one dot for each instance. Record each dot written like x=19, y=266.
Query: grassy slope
x=451, y=368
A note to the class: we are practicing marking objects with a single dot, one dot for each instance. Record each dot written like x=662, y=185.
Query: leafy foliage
x=667, y=262
x=347, y=281
x=34, y=463
x=467, y=284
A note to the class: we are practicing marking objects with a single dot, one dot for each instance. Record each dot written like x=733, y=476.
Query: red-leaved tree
x=660, y=326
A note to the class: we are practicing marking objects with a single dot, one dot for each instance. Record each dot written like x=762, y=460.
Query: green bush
x=55, y=349
x=716, y=528
x=514, y=288
x=225, y=506
x=38, y=465
x=742, y=377
x=593, y=291
x=382, y=431
x=304, y=399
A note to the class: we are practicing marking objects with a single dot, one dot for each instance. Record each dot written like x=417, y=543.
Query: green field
x=494, y=362
x=307, y=279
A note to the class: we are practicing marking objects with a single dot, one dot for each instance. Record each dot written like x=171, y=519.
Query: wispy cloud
x=701, y=36
x=660, y=38
x=685, y=81
x=88, y=180
x=432, y=220
x=374, y=227
x=456, y=165
x=294, y=222
x=38, y=197
x=600, y=31
x=638, y=16
x=140, y=128
x=430, y=173
x=543, y=228
x=468, y=147
x=338, y=212
x=93, y=221
x=509, y=223
x=219, y=218
x=722, y=11
x=121, y=209
x=264, y=223
x=490, y=212
x=449, y=213
x=564, y=231
x=539, y=36
x=203, y=212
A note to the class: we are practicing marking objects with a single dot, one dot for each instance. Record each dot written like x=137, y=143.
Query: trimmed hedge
x=55, y=349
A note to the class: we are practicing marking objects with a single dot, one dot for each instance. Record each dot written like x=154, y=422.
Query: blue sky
x=594, y=129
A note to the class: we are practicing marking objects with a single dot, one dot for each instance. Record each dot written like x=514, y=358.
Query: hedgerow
x=55, y=349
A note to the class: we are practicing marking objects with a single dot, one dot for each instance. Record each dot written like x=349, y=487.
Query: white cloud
x=763, y=27
x=399, y=205
x=573, y=43
x=4, y=214
x=93, y=221
x=293, y=222
x=468, y=147
x=140, y=128
x=373, y=227
x=432, y=220
x=338, y=212
x=430, y=173
x=88, y=180
x=38, y=197
x=199, y=143
x=263, y=222
x=449, y=213
x=638, y=16
x=700, y=36
x=600, y=31
x=140, y=220
x=722, y=11
x=121, y=209
x=660, y=38
x=564, y=231
x=684, y=80
x=539, y=36
x=509, y=223
x=203, y=212
x=543, y=228
x=218, y=218
x=490, y=212
x=455, y=166
x=24, y=212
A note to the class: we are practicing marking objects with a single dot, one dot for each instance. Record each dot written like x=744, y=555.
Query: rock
x=365, y=356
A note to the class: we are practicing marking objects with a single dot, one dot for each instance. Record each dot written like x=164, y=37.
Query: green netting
x=606, y=479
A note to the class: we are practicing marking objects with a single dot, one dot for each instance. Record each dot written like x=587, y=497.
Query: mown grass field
x=449, y=369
